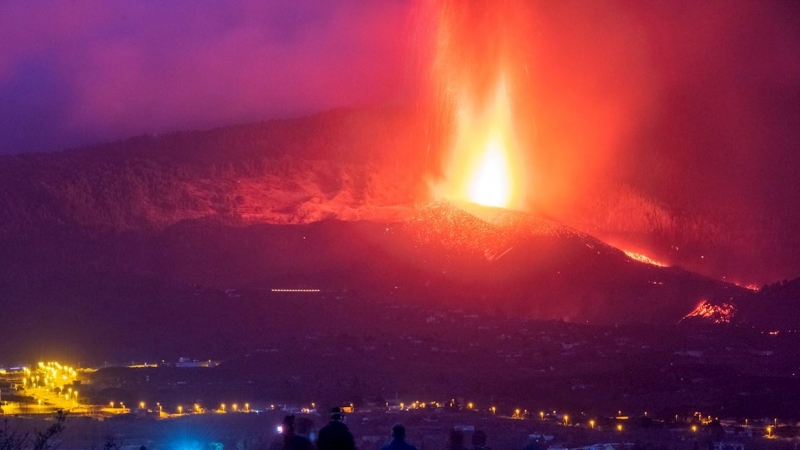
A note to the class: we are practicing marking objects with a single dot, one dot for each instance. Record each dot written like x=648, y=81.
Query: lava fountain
x=476, y=71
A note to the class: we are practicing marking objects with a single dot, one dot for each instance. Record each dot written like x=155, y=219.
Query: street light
x=591, y=424
x=541, y=414
x=566, y=420
x=619, y=427
x=247, y=407
x=141, y=405
x=769, y=431
x=180, y=409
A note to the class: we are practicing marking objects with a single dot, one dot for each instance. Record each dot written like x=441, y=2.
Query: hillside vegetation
x=340, y=164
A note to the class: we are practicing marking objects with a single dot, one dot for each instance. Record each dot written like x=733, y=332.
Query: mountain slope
x=341, y=163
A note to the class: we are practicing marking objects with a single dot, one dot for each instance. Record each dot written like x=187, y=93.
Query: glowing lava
x=478, y=71
x=491, y=186
x=722, y=313
x=644, y=259
x=483, y=166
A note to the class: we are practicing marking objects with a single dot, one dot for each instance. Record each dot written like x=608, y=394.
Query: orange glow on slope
x=722, y=313
x=644, y=259
x=750, y=287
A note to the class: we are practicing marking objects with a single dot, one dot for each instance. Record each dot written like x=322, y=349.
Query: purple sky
x=76, y=72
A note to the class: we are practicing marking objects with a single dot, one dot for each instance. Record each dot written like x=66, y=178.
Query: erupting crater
x=484, y=166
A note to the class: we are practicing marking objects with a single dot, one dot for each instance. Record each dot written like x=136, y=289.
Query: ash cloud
x=670, y=128
x=693, y=106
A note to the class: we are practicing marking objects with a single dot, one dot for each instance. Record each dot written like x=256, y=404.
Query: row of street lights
x=196, y=408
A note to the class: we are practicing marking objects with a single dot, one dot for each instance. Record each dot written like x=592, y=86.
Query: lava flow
x=644, y=259
x=722, y=313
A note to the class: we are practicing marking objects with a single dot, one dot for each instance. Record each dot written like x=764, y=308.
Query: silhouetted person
x=455, y=441
x=289, y=439
x=335, y=435
x=479, y=440
x=398, y=440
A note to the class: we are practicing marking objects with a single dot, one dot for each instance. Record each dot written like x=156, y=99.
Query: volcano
x=496, y=261
x=124, y=236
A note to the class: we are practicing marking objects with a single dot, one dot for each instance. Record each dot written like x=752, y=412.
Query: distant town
x=554, y=384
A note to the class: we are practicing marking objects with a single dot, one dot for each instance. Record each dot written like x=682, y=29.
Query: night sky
x=695, y=103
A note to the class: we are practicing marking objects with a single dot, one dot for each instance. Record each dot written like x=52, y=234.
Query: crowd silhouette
x=297, y=434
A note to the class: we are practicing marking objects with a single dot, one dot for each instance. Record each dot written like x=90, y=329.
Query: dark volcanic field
x=147, y=296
